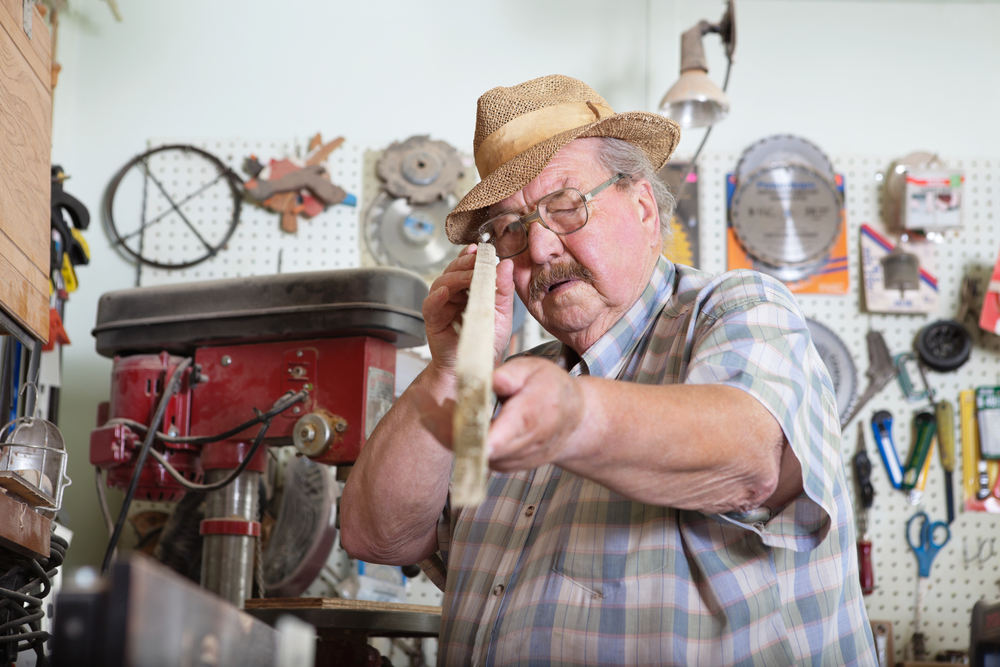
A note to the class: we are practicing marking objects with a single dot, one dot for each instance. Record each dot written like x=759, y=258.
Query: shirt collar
x=619, y=341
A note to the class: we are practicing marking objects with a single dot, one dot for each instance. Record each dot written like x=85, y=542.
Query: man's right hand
x=447, y=300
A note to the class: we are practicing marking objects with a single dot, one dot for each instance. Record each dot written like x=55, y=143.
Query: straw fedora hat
x=519, y=129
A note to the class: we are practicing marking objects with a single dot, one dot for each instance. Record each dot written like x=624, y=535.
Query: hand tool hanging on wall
x=882, y=428
x=880, y=372
x=865, y=500
x=925, y=549
x=925, y=427
x=944, y=412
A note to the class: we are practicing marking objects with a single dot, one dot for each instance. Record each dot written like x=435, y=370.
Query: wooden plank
x=23, y=530
x=40, y=63
x=24, y=289
x=41, y=42
x=24, y=302
x=25, y=139
x=337, y=603
x=474, y=366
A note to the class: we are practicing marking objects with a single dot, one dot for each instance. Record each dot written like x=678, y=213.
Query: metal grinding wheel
x=420, y=170
x=837, y=359
x=788, y=217
x=304, y=531
x=411, y=236
x=785, y=149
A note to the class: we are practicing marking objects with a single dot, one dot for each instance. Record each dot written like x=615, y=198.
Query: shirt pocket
x=608, y=548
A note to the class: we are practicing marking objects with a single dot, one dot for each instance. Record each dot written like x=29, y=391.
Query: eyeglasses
x=561, y=212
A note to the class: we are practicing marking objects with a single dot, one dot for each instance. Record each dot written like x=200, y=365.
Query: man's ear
x=649, y=215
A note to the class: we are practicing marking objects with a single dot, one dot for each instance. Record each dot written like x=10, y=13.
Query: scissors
x=925, y=549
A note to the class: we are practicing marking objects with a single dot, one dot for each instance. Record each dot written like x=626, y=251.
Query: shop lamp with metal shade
x=695, y=101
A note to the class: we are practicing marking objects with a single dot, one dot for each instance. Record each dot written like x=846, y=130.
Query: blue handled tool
x=882, y=427
x=925, y=549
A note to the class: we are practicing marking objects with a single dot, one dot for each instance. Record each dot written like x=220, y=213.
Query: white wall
x=854, y=77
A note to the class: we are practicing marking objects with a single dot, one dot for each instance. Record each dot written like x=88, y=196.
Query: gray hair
x=621, y=157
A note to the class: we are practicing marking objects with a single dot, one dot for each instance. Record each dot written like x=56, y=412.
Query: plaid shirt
x=556, y=569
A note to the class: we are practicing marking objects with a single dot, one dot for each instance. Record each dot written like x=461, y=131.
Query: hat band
x=530, y=129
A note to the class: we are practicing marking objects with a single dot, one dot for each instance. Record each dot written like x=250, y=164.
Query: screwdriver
x=865, y=498
x=944, y=412
x=925, y=426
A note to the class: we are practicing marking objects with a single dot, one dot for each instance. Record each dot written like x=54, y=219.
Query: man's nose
x=543, y=243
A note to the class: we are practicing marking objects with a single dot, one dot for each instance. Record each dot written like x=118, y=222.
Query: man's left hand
x=542, y=406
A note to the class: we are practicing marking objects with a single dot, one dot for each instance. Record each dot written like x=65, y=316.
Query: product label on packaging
x=933, y=200
x=879, y=298
x=378, y=400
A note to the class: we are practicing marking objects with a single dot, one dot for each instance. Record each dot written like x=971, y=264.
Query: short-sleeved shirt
x=554, y=568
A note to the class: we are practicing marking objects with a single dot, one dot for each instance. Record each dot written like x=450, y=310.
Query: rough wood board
x=37, y=50
x=474, y=367
x=25, y=140
x=337, y=603
x=23, y=530
x=25, y=158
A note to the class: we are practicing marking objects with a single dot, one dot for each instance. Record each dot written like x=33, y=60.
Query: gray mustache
x=558, y=273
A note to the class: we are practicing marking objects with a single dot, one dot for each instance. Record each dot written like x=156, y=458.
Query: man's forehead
x=564, y=170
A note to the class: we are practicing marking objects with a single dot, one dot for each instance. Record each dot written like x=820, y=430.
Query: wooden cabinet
x=25, y=163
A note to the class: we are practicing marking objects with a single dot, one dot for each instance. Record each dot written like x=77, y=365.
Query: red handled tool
x=865, y=498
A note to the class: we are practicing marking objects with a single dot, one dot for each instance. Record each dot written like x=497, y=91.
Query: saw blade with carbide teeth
x=786, y=149
x=411, y=236
x=420, y=170
x=788, y=217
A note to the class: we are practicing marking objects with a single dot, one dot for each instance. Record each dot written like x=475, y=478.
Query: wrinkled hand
x=446, y=303
x=542, y=408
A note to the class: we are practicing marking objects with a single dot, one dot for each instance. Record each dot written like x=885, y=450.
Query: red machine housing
x=352, y=378
x=253, y=340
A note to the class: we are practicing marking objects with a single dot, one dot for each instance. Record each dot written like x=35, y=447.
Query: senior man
x=666, y=484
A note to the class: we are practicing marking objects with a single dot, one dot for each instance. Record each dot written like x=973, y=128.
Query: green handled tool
x=925, y=426
x=945, y=414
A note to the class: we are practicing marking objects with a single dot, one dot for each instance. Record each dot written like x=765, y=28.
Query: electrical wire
x=25, y=603
x=215, y=486
x=279, y=406
x=102, y=500
x=140, y=461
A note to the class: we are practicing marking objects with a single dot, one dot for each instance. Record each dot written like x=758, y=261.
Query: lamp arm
x=692, y=51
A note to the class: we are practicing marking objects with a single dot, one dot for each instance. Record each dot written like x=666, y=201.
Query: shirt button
x=529, y=511
x=498, y=589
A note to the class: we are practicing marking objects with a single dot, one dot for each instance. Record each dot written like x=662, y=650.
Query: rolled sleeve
x=750, y=334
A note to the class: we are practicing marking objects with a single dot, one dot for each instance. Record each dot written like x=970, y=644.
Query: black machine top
x=379, y=302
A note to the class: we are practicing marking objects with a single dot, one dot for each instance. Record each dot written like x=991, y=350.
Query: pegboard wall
x=955, y=583
x=258, y=246
x=958, y=579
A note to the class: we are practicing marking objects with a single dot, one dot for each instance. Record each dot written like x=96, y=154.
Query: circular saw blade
x=785, y=149
x=837, y=359
x=787, y=216
x=420, y=170
x=411, y=236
